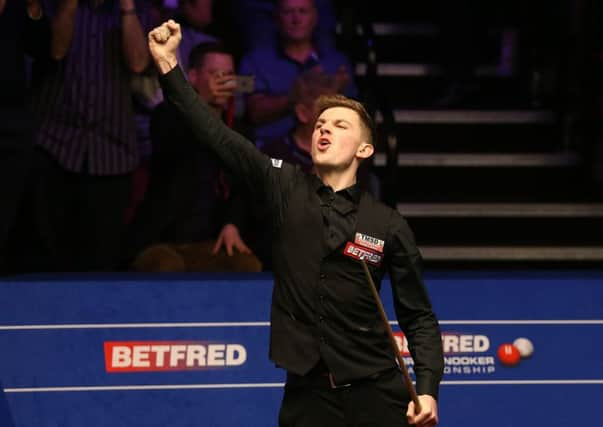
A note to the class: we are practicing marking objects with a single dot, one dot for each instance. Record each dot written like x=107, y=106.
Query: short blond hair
x=324, y=102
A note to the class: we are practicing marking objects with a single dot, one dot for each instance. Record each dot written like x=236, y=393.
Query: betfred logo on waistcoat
x=369, y=242
x=362, y=254
x=146, y=356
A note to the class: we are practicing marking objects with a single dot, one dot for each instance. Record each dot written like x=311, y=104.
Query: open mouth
x=323, y=144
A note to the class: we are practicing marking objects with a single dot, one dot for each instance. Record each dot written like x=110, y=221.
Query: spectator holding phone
x=277, y=67
x=191, y=215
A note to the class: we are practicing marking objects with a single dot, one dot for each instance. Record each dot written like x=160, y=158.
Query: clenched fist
x=163, y=44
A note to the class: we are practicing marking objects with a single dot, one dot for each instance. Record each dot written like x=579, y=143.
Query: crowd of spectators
x=99, y=174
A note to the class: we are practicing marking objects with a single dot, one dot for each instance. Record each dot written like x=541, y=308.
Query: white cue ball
x=525, y=347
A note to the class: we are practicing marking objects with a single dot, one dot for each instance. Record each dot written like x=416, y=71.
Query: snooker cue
x=388, y=328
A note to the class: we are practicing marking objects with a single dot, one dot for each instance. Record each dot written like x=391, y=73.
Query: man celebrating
x=325, y=328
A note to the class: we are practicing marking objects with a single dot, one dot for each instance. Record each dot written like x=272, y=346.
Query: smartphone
x=245, y=84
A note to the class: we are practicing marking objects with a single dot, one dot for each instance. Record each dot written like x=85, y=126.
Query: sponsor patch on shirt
x=360, y=253
x=369, y=242
x=277, y=163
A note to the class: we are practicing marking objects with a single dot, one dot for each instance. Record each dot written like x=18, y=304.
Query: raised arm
x=133, y=42
x=242, y=160
x=63, y=25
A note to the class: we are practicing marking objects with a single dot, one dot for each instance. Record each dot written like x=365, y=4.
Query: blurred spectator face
x=158, y=13
x=198, y=12
x=306, y=113
x=306, y=109
x=306, y=90
x=212, y=69
x=296, y=19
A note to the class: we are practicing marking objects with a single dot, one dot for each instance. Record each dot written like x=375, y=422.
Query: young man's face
x=339, y=140
x=213, y=65
x=296, y=19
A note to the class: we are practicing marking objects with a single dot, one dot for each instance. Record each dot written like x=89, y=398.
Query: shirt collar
x=349, y=197
x=354, y=192
x=312, y=61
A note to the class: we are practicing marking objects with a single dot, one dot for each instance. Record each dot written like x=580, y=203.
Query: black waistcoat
x=322, y=306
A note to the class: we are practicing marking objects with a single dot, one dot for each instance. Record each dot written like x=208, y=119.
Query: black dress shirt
x=322, y=307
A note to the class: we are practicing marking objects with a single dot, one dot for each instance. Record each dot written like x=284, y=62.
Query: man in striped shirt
x=87, y=137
